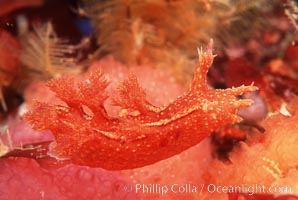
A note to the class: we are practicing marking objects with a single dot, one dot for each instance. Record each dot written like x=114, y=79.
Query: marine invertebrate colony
x=165, y=33
x=143, y=133
x=45, y=55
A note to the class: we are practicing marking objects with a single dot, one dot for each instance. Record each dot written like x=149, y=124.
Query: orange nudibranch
x=143, y=133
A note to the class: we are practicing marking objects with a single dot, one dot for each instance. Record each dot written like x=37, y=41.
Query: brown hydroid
x=167, y=32
x=45, y=55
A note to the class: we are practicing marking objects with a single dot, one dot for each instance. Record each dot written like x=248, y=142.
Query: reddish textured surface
x=9, y=46
x=271, y=162
x=11, y=5
x=291, y=56
x=145, y=134
x=23, y=179
x=187, y=167
x=8, y=57
x=19, y=133
x=239, y=71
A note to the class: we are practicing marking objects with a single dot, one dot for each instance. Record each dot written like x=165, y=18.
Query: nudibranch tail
x=143, y=134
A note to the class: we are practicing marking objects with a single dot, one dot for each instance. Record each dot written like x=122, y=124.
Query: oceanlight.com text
x=209, y=188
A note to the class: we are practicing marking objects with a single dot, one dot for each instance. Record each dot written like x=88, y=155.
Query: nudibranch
x=143, y=133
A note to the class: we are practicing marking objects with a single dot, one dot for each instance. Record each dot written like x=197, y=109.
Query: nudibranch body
x=143, y=133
